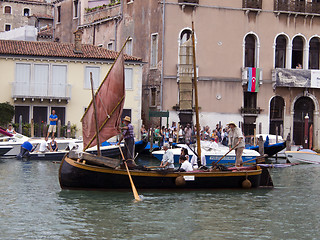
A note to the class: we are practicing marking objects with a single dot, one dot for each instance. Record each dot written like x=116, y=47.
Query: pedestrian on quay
x=53, y=118
x=236, y=140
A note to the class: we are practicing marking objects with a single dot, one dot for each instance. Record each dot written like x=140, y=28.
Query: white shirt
x=43, y=146
x=186, y=166
x=168, y=157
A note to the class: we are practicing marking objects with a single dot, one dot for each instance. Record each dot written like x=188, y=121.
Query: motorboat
x=303, y=156
x=4, y=149
x=17, y=139
x=212, y=152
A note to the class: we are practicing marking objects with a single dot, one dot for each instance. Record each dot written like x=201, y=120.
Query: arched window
x=280, y=55
x=185, y=35
x=26, y=12
x=314, y=49
x=7, y=9
x=250, y=51
x=276, y=115
x=297, y=52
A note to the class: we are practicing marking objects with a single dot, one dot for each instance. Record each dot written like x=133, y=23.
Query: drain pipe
x=162, y=53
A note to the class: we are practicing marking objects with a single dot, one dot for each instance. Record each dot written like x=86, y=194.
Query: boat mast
x=95, y=116
x=196, y=97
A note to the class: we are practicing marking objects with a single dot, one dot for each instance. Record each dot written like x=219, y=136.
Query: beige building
x=234, y=40
x=38, y=77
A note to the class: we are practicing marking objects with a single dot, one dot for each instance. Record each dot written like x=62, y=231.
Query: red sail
x=109, y=103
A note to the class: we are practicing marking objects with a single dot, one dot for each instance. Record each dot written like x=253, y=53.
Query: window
x=7, y=9
x=23, y=111
x=130, y=1
x=95, y=77
x=250, y=51
x=41, y=78
x=154, y=50
x=280, y=55
x=22, y=81
x=7, y=27
x=110, y=46
x=26, y=12
x=128, y=78
x=59, y=80
x=297, y=52
x=75, y=8
x=58, y=14
x=129, y=47
x=185, y=36
x=153, y=97
x=314, y=50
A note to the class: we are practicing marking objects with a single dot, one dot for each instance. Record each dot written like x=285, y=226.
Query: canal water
x=33, y=206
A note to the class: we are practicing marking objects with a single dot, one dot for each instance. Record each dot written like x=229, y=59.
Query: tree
x=6, y=113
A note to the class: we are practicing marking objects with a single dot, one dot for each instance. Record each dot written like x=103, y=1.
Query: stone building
x=19, y=13
x=236, y=48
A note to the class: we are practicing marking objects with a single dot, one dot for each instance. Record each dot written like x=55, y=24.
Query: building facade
x=39, y=77
x=235, y=46
x=19, y=13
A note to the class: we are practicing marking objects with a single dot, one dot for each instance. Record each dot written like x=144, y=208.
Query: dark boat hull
x=77, y=175
x=271, y=149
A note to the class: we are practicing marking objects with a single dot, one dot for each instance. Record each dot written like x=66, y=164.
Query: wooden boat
x=80, y=174
x=303, y=156
x=86, y=171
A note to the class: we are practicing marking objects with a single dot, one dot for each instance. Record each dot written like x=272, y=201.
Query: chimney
x=77, y=41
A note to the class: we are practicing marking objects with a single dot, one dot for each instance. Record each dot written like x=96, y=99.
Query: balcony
x=252, y=4
x=189, y=1
x=292, y=6
x=42, y=91
x=247, y=111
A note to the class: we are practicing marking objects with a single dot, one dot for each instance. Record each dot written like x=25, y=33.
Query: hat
x=232, y=123
x=127, y=118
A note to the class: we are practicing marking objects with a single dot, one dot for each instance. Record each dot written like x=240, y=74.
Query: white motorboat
x=212, y=152
x=303, y=156
x=16, y=140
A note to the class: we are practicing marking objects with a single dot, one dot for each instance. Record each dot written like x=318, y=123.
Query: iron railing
x=297, y=6
x=254, y=4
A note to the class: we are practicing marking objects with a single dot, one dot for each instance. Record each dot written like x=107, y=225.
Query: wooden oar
x=134, y=190
x=153, y=167
x=227, y=153
x=263, y=156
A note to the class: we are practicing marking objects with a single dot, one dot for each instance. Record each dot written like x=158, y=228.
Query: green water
x=34, y=207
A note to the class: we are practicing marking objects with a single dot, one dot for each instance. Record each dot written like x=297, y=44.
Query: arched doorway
x=302, y=107
x=276, y=115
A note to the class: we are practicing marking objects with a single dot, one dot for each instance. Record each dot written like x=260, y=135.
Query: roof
x=47, y=32
x=58, y=50
x=43, y=16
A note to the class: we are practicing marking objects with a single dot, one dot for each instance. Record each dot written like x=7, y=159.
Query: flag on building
x=253, y=79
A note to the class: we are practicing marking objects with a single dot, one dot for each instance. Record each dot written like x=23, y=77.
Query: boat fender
x=246, y=183
x=180, y=181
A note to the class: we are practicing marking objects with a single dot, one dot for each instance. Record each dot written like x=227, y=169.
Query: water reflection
x=34, y=207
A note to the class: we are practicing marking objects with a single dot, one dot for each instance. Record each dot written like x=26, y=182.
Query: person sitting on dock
x=53, y=146
x=167, y=159
x=185, y=165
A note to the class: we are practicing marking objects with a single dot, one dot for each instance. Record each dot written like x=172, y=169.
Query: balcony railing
x=250, y=111
x=297, y=6
x=41, y=90
x=254, y=4
x=188, y=1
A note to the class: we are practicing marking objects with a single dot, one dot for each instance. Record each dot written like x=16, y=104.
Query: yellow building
x=38, y=77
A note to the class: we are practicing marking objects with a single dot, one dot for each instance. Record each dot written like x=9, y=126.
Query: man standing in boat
x=128, y=136
x=236, y=141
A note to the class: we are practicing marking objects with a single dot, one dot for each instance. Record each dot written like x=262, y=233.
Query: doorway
x=302, y=107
